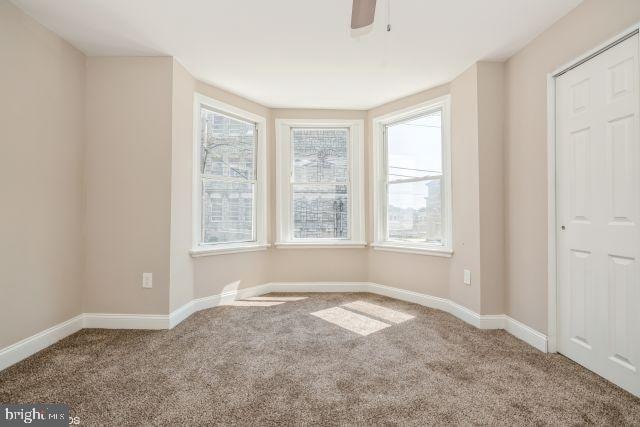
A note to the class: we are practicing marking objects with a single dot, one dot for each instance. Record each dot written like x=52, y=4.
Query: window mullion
x=228, y=179
x=347, y=183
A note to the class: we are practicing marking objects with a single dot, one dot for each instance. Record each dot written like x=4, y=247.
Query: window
x=228, y=179
x=320, y=178
x=412, y=189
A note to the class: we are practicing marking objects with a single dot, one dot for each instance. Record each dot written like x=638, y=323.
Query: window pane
x=227, y=146
x=320, y=155
x=414, y=158
x=414, y=213
x=320, y=212
x=227, y=211
x=415, y=147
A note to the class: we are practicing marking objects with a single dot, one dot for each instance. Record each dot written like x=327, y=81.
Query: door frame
x=552, y=230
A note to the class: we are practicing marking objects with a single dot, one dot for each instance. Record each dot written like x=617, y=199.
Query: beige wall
x=228, y=272
x=465, y=189
x=232, y=99
x=491, y=172
x=418, y=273
x=181, y=263
x=410, y=100
x=590, y=24
x=41, y=146
x=128, y=184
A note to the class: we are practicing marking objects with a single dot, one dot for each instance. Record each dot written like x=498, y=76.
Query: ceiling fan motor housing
x=362, y=13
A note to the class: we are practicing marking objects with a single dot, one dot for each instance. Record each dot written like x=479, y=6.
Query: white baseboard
x=463, y=313
x=492, y=321
x=409, y=296
x=180, y=314
x=126, y=321
x=526, y=333
x=25, y=348
x=33, y=344
x=318, y=287
x=198, y=304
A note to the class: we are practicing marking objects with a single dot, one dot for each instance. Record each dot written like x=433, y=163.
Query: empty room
x=336, y=212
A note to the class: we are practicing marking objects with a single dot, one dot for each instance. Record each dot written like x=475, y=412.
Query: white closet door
x=598, y=202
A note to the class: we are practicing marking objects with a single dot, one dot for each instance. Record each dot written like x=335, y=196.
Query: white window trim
x=260, y=219
x=284, y=232
x=379, y=181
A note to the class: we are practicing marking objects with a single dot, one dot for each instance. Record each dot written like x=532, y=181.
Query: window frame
x=380, y=181
x=284, y=184
x=259, y=221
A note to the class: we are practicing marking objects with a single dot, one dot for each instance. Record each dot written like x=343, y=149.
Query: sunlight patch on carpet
x=351, y=321
x=379, y=311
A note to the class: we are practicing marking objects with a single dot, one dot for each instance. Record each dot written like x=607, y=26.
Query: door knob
x=562, y=228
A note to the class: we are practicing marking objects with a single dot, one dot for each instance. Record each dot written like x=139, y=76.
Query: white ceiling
x=300, y=53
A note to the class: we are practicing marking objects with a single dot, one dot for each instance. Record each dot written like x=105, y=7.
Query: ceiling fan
x=362, y=14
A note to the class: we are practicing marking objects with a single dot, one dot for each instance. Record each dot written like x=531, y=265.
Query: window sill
x=204, y=251
x=409, y=249
x=321, y=245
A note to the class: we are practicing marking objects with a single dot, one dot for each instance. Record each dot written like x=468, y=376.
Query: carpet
x=281, y=365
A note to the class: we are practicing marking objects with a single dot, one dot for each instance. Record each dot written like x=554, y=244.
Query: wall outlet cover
x=467, y=277
x=147, y=280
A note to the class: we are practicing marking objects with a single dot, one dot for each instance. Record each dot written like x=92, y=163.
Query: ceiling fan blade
x=362, y=13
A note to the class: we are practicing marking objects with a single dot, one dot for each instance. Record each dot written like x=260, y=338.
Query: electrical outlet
x=147, y=280
x=467, y=277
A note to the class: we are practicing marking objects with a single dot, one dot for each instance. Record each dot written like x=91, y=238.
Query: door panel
x=621, y=279
x=619, y=133
x=598, y=204
x=581, y=284
x=580, y=175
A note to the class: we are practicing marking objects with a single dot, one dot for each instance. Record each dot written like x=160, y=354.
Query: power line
x=411, y=169
x=417, y=125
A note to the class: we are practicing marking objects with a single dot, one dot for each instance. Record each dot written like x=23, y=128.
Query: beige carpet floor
x=280, y=365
